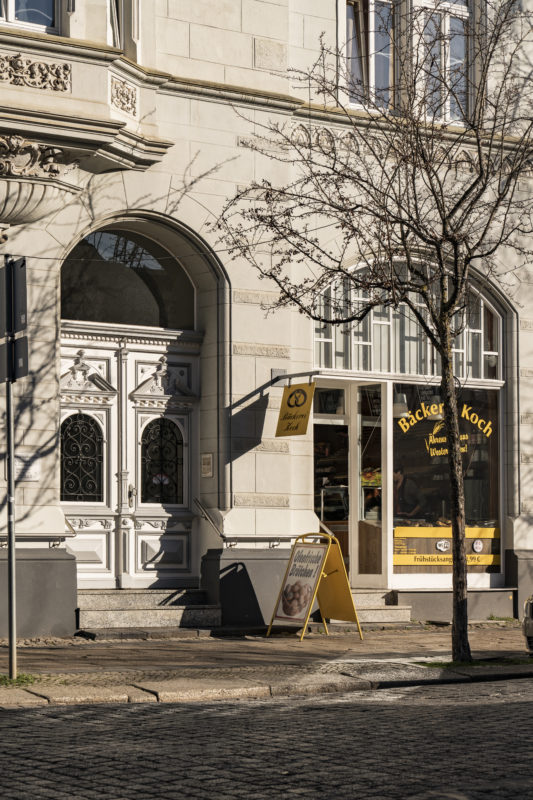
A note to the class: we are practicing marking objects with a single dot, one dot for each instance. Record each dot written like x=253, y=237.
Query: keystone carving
x=38, y=74
x=124, y=96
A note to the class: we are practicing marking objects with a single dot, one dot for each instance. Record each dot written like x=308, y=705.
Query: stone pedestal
x=46, y=593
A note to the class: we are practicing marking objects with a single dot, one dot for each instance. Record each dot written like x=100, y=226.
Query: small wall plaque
x=207, y=465
x=27, y=468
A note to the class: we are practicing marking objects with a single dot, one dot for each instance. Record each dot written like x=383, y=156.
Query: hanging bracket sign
x=295, y=410
x=315, y=571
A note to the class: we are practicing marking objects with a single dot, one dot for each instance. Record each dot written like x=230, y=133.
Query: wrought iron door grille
x=162, y=463
x=82, y=446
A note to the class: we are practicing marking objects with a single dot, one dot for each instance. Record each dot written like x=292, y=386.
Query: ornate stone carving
x=158, y=524
x=124, y=96
x=81, y=524
x=166, y=386
x=22, y=71
x=83, y=376
x=21, y=158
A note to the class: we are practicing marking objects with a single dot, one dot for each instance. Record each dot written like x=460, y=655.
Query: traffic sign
x=16, y=295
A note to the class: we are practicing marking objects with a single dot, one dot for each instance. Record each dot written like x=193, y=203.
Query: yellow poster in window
x=295, y=410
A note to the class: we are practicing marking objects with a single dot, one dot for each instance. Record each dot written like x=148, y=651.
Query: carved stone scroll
x=22, y=71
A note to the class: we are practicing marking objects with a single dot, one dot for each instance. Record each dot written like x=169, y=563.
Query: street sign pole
x=11, y=566
x=13, y=365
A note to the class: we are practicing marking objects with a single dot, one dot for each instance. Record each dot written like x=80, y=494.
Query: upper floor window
x=391, y=340
x=116, y=22
x=430, y=65
x=369, y=38
x=42, y=14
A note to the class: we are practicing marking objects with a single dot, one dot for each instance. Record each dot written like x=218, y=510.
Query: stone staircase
x=375, y=606
x=145, y=608
x=100, y=609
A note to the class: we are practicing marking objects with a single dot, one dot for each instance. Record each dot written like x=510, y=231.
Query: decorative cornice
x=93, y=332
x=98, y=144
x=22, y=71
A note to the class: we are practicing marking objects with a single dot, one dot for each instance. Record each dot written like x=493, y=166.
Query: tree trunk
x=460, y=644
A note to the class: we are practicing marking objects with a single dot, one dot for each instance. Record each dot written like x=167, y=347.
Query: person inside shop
x=407, y=501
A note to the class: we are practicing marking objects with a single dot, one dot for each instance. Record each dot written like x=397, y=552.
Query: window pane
x=380, y=349
x=122, y=278
x=342, y=347
x=323, y=353
x=474, y=361
x=474, y=313
x=490, y=333
x=432, y=64
x=421, y=477
x=354, y=54
x=331, y=474
x=458, y=84
x=38, y=12
x=383, y=62
x=362, y=358
x=490, y=369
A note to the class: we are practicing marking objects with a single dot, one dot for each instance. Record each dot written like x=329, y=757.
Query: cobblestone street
x=465, y=742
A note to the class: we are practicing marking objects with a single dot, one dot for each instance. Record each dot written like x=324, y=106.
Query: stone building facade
x=145, y=432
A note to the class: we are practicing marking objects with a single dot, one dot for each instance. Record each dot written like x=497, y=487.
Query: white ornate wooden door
x=127, y=422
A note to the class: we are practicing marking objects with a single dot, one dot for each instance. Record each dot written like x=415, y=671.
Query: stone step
x=371, y=598
x=193, y=616
x=384, y=614
x=121, y=599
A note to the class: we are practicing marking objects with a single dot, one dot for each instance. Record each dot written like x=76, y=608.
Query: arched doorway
x=129, y=410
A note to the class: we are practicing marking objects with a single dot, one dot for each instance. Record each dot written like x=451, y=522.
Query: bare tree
x=403, y=187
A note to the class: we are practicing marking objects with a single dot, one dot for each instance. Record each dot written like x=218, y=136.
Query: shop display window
x=421, y=479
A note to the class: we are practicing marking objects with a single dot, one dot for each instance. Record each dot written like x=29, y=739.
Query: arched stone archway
x=143, y=338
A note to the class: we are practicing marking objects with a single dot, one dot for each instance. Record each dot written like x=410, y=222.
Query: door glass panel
x=331, y=480
x=81, y=460
x=369, y=528
x=162, y=463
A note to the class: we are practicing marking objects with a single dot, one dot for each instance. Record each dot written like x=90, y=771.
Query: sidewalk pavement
x=176, y=665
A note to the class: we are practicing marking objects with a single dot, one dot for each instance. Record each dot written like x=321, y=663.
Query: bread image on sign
x=300, y=584
x=295, y=598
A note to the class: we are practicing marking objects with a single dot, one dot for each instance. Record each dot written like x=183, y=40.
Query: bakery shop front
x=381, y=480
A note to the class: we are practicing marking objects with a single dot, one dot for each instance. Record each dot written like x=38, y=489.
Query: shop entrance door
x=368, y=529
x=349, y=484
x=127, y=408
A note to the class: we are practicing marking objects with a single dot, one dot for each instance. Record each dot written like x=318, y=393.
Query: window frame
x=115, y=23
x=361, y=354
x=8, y=12
x=447, y=9
x=365, y=12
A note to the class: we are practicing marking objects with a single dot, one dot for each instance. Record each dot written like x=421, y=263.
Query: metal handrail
x=70, y=526
x=207, y=516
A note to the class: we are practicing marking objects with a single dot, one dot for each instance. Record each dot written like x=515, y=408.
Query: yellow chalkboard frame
x=332, y=590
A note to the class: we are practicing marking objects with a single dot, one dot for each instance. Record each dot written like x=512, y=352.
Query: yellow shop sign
x=440, y=560
x=426, y=411
x=295, y=409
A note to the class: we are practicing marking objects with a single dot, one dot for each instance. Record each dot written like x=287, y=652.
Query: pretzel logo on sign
x=297, y=398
